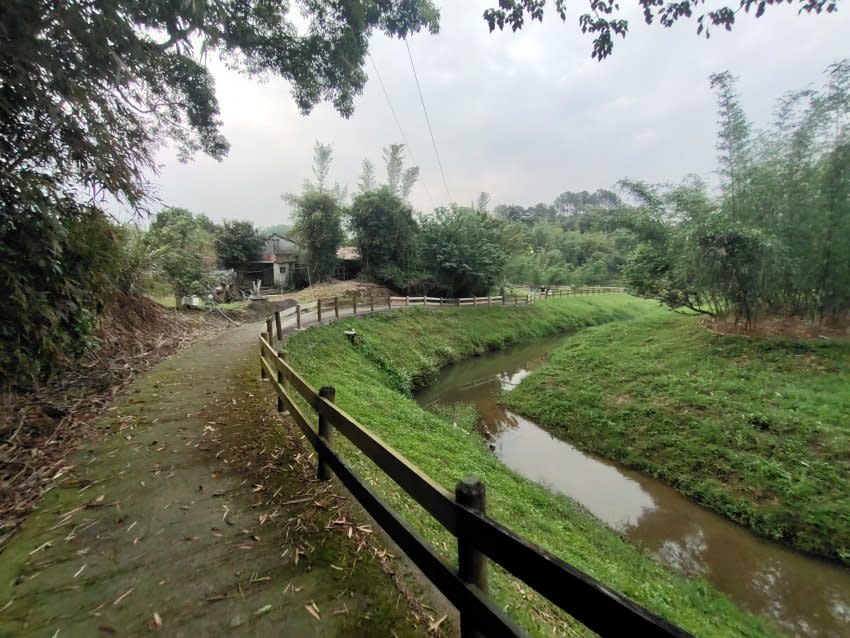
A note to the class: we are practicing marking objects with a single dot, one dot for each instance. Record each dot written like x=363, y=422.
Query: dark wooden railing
x=463, y=514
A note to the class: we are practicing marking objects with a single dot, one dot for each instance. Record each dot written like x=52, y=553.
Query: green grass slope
x=755, y=429
x=401, y=350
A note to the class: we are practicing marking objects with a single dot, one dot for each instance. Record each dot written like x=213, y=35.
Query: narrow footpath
x=190, y=511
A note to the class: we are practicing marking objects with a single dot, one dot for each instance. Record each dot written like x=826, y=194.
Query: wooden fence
x=333, y=306
x=462, y=513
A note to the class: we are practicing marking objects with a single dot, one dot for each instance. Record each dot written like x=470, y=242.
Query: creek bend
x=805, y=595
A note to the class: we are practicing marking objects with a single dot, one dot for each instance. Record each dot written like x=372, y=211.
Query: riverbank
x=398, y=352
x=754, y=429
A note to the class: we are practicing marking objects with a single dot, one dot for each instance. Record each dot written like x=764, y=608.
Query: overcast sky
x=523, y=116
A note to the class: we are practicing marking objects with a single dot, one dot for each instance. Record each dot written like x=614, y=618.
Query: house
x=348, y=262
x=277, y=266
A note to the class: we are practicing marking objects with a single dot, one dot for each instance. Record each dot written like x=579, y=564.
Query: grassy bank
x=399, y=351
x=755, y=429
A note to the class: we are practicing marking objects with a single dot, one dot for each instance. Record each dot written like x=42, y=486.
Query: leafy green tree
x=585, y=212
x=183, y=248
x=318, y=226
x=464, y=250
x=88, y=90
x=385, y=230
x=604, y=21
x=237, y=242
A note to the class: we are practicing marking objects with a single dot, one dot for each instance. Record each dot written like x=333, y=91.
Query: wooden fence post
x=265, y=337
x=371, y=303
x=527, y=297
x=489, y=300
x=319, y=311
x=471, y=563
x=441, y=301
x=354, y=301
x=298, y=316
x=389, y=302
x=323, y=472
x=474, y=300
x=281, y=380
x=407, y=300
x=277, y=325
x=269, y=329
x=503, y=296
x=336, y=307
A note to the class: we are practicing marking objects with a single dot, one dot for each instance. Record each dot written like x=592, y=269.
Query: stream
x=805, y=595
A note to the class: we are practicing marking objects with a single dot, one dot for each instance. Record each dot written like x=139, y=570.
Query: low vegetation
x=398, y=352
x=752, y=428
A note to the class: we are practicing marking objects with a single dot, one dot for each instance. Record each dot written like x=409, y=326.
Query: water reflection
x=807, y=596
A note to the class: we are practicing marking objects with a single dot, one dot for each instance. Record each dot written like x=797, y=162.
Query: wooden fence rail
x=463, y=514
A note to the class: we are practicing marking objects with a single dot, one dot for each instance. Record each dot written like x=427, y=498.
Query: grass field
x=403, y=350
x=755, y=429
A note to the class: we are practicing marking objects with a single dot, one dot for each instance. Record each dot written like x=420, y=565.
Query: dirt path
x=194, y=516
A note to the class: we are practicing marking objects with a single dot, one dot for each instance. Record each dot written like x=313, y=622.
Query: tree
x=400, y=180
x=482, y=203
x=604, y=22
x=275, y=229
x=90, y=90
x=366, y=182
x=770, y=243
x=464, y=250
x=183, y=249
x=237, y=242
x=385, y=230
x=733, y=137
x=322, y=160
x=584, y=211
x=318, y=226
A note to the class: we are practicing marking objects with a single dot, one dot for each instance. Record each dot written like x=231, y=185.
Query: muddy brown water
x=805, y=595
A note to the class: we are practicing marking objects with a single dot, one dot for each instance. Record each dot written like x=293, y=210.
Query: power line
x=428, y=121
x=400, y=129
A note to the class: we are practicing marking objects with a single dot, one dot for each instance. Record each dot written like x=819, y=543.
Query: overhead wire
x=428, y=121
x=400, y=129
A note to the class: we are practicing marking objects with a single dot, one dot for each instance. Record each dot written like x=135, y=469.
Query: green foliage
x=276, y=229
x=465, y=250
x=237, y=242
x=318, y=226
x=366, y=182
x=57, y=276
x=400, y=180
x=758, y=432
x=573, y=241
x=733, y=138
x=776, y=239
x=183, y=248
x=385, y=230
x=128, y=72
x=603, y=18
